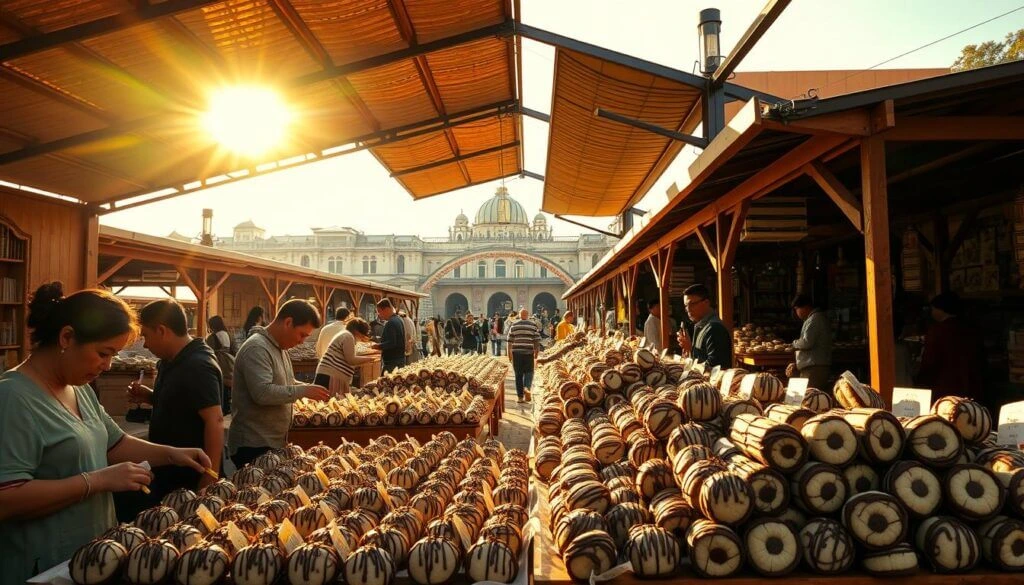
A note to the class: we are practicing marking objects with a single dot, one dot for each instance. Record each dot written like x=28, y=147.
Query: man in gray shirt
x=265, y=386
x=814, y=348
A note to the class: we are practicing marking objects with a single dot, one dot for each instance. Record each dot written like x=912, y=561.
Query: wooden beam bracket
x=837, y=192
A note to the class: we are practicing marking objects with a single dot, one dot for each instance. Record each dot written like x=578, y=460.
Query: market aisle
x=517, y=424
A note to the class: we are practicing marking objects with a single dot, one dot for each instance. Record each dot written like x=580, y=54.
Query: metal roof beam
x=95, y=28
x=455, y=159
x=688, y=139
x=497, y=30
x=761, y=24
x=536, y=115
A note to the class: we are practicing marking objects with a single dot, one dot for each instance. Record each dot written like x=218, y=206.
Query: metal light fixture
x=708, y=32
x=207, y=237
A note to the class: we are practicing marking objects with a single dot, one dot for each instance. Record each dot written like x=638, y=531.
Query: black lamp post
x=207, y=237
x=708, y=31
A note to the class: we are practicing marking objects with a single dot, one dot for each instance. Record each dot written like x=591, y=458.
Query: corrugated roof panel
x=350, y=30
x=437, y=180
x=414, y=152
x=435, y=19
x=493, y=166
x=598, y=167
x=395, y=94
x=325, y=117
x=51, y=15
x=485, y=134
x=473, y=74
x=64, y=178
x=253, y=41
x=29, y=113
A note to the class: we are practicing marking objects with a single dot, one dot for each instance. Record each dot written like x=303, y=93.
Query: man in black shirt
x=185, y=397
x=711, y=342
x=392, y=338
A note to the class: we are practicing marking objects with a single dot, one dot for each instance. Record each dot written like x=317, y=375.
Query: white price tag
x=911, y=401
x=643, y=342
x=747, y=386
x=796, y=390
x=1011, y=425
x=715, y=370
x=727, y=379
x=700, y=367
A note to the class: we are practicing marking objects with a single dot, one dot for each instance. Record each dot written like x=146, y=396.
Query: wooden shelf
x=11, y=303
x=12, y=260
x=2, y=347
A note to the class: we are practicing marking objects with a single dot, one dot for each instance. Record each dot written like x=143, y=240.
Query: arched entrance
x=455, y=303
x=499, y=303
x=544, y=301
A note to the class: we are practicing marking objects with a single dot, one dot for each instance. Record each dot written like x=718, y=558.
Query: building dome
x=540, y=218
x=461, y=219
x=501, y=209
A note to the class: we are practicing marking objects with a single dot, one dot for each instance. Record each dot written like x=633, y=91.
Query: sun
x=247, y=119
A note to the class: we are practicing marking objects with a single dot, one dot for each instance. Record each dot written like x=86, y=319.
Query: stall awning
x=596, y=166
x=100, y=99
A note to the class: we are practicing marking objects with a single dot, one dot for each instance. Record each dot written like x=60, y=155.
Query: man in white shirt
x=652, y=327
x=327, y=332
x=412, y=352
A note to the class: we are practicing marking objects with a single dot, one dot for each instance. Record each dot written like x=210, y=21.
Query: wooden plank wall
x=58, y=232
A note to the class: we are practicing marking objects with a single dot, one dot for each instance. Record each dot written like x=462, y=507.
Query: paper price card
x=289, y=536
x=796, y=390
x=715, y=370
x=911, y=401
x=265, y=496
x=207, y=518
x=700, y=367
x=747, y=386
x=237, y=537
x=488, y=500
x=1011, y=425
x=303, y=496
x=324, y=480
x=339, y=542
x=464, y=535
x=727, y=379
x=664, y=353
x=328, y=512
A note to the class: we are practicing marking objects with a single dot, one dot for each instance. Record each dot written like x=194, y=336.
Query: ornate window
x=366, y=264
x=334, y=265
x=543, y=272
x=520, y=269
x=373, y=265
x=458, y=272
x=304, y=261
x=499, y=269
x=481, y=269
x=401, y=265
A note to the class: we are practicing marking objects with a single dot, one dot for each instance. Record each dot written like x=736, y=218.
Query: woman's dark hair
x=254, y=316
x=216, y=323
x=94, y=315
x=358, y=325
x=802, y=300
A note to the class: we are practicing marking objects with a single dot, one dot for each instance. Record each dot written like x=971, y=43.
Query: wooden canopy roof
x=101, y=97
x=949, y=139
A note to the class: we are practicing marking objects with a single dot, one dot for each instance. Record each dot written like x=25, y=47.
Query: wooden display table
x=305, y=371
x=306, y=437
x=778, y=360
x=548, y=568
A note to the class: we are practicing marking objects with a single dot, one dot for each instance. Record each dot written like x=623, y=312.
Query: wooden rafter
x=837, y=192
x=271, y=298
x=183, y=273
x=732, y=242
x=408, y=33
x=709, y=247
x=966, y=128
x=121, y=262
x=966, y=226
x=213, y=289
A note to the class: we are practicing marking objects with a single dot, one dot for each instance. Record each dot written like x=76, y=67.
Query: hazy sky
x=355, y=190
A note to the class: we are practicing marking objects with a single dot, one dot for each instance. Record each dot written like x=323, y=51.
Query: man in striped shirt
x=523, y=347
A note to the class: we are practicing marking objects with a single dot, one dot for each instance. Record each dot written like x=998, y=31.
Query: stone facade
x=499, y=261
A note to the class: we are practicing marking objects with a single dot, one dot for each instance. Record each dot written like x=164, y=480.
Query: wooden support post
x=201, y=308
x=271, y=298
x=664, y=278
x=617, y=291
x=723, y=274
x=183, y=272
x=357, y=300
x=878, y=270
x=92, y=250
x=631, y=276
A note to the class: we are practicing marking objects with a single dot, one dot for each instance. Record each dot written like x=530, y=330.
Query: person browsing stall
x=265, y=385
x=392, y=338
x=652, y=326
x=711, y=343
x=566, y=326
x=523, y=347
x=186, y=396
x=412, y=352
x=951, y=360
x=339, y=364
x=327, y=332
x=814, y=348
x=224, y=349
x=62, y=456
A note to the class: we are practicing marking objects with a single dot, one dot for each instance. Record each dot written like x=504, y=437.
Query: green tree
x=988, y=53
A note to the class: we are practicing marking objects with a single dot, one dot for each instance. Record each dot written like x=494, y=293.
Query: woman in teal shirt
x=61, y=455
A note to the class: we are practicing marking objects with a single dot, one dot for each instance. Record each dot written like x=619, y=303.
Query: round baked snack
x=257, y=564
x=151, y=562
x=773, y=547
x=590, y=553
x=97, y=562
x=653, y=551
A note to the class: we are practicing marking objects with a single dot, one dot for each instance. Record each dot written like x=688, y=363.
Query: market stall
x=854, y=173
x=682, y=473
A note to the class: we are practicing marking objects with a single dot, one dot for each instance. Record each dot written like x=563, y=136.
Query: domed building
x=500, y=262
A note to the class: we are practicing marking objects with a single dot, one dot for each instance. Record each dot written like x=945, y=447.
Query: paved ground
x=516, y=426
